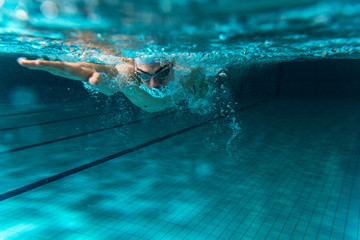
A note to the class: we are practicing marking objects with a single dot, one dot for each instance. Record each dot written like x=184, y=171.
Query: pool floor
x=85, y=173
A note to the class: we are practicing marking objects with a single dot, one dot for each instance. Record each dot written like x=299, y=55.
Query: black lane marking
x=64, y=174
x=55, y=121
x=46, y=110
x=25, y=113
x=79, y=135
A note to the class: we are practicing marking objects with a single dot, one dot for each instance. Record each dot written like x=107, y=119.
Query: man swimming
x=152, y=84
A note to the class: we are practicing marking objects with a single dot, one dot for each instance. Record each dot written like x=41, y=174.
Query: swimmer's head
x=154, y=72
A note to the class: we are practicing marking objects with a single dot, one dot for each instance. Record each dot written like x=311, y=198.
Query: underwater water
x=271, y=153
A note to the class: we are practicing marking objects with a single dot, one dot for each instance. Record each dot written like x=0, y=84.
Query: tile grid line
x=61, y=175
x=125, y=231
x=350, y=165
x=338, y=201
x=213, y=217
x=141, y=215
x=286, y=189
x=306, y=203
x=146, y=233
x=334, y=183
x=264, y=182
x=171, y=222
x=350, y=200
x=250, y=170
x=307, y=200
x=175, y=223
x=133, y=208
x=304, y=186
x=302, y=191
x=273, y=205
x=174, y=199
x=191, y=229
x=258, y=203
x=271, y=182
x=320, y=194
x=243, y=197
x=228, y=211
x=207, y=216
x=210, y=234
x=254, y=168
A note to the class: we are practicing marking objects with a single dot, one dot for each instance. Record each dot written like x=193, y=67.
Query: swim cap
x=139, y=61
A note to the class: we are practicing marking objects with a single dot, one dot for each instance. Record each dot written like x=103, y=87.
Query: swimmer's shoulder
x=126, y=73
x=126, y=66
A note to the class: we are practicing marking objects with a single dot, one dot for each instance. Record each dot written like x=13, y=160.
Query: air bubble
x=222, y=74
x=49, y=9
x=222, y=37
x=22, y=15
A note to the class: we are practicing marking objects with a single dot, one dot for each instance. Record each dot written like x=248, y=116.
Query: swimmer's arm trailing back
x=104, y=78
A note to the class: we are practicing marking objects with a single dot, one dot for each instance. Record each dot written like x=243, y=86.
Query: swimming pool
x=275, y=155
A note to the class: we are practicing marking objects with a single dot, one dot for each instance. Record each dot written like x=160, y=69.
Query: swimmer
x=151, y=84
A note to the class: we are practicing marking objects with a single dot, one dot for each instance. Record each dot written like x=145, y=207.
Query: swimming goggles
x=161, y=74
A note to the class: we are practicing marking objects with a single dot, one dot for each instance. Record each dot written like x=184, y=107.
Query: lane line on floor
x=55, y=121
x=46, y=110
x=79, y=135
x=64, y=174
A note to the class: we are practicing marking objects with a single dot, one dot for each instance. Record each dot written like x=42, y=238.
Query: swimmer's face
x=155, y=69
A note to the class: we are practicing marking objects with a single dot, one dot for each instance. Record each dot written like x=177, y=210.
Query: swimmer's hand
x=79, y=71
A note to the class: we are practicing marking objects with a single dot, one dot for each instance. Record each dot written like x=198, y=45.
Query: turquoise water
x=210, y=33
x=272, y=153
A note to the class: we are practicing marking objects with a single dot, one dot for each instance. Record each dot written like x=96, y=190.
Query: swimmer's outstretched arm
x=86, y=72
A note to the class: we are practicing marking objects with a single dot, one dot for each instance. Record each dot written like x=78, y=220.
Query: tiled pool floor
x=292, y=173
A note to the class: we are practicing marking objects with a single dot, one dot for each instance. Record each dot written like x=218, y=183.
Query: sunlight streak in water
x=2, y=3
x=13, y=231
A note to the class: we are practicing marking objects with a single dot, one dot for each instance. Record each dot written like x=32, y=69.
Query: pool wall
x=246, y=83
